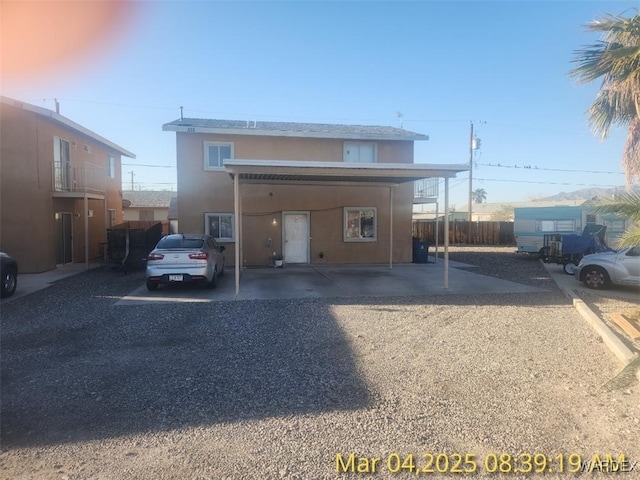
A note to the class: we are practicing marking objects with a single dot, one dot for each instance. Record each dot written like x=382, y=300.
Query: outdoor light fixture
x=274, y=221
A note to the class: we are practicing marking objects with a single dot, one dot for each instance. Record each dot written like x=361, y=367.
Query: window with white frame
x=615, y=225
x=360, y=152
x=360, y=224
x=215, y=153
x=219, y=226
x=557, y=226
x=111, y=167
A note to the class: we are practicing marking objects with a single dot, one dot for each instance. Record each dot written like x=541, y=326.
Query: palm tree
x=479, y=195
x=615, y=59
x=626, y=204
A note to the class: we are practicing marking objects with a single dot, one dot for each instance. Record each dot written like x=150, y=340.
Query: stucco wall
x=204, y=191
x=27, y=207
x=133, y=213
x=25, y=192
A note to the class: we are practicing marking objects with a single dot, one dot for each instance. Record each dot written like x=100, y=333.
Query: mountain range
x=588, y=193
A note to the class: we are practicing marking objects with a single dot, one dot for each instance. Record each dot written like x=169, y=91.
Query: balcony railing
x=425, y=190
x=85, y=178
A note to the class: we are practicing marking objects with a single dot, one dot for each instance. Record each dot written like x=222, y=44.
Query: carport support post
x=390, y=228
x=446, y=233
x=437, y=222
x=239, y=227
x=86, y=231
x=236, y=208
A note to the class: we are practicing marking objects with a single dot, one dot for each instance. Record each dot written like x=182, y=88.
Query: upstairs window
x=360, y=152
x=111, y=167
x=215, y=153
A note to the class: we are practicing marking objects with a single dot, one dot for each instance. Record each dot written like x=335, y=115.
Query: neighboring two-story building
x=313, y=193
x=60, y=187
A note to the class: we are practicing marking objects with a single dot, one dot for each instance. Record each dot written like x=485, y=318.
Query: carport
x=248, y=171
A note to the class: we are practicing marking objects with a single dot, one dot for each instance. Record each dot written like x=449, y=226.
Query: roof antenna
x=181, y=117
x=401, y=117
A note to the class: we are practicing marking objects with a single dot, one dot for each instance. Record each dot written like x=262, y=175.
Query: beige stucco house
x=313, y=193
x=146, y=205
x=60, y=187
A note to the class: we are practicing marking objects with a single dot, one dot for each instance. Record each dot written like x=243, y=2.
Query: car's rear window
x=179, y=242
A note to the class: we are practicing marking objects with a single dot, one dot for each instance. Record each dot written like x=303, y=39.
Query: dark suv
x=9, y=274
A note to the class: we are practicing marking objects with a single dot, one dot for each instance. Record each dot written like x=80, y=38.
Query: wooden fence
x=481, y=233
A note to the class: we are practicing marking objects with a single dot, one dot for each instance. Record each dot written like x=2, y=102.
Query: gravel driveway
x=276, y=389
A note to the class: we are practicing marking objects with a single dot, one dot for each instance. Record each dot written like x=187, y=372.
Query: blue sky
x=502, y=65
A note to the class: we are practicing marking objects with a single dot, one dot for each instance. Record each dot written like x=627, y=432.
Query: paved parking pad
x=319, y=281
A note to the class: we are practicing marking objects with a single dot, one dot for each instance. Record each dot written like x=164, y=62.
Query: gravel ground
x=606, y=302
x=493, y=260
x=275, y=389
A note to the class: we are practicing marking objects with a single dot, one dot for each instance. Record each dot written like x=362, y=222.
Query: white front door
x=296, y=237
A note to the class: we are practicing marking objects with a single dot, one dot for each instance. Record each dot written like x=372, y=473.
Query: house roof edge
x=45, y=112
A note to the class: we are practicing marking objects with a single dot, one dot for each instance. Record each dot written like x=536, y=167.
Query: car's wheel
x=151, y=286
x=9, y=283
x=214, y=280
x=595, y=277
x=569, y=268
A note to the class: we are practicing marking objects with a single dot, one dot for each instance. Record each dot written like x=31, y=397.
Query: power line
x=529, y=167
x=145, y=165
x=304, y=118
x=114, y=104
x=544, y=183
x=156, y=183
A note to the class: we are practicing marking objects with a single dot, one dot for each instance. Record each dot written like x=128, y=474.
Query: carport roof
x=302, y=171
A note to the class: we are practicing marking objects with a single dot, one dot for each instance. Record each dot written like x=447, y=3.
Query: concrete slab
x=32, y=282
x=570, y=287
x=316, y=281
x=571, y=283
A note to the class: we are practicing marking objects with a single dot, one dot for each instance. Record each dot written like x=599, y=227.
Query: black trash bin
x=420, y=251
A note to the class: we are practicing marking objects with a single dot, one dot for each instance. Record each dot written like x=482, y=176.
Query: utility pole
x=474, y=144
x=470, y=174
x=132, y=174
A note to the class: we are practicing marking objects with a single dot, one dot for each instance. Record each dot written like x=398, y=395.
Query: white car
x=599, y=270
x=182, y=258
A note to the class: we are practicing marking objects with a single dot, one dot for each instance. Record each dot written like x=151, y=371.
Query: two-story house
x=313, y=193
x=60, y=187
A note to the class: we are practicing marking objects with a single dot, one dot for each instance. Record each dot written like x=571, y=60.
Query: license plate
x=175, y=278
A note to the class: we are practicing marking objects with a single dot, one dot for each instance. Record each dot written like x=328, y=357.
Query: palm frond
x=609, y=108
x=616, y=60
x=630, y=238
x=626, y=204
